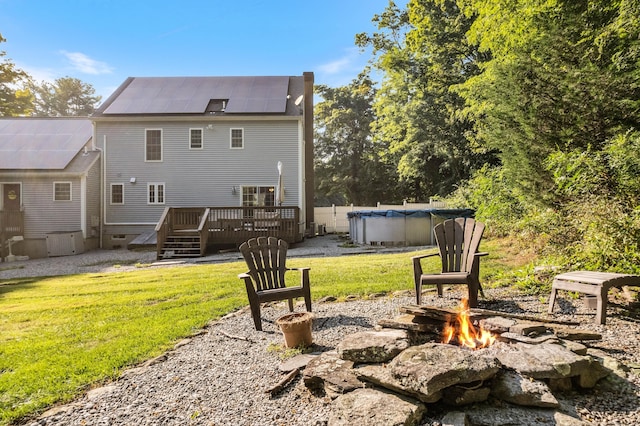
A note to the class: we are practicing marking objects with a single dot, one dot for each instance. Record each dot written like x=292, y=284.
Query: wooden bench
x=593, y=283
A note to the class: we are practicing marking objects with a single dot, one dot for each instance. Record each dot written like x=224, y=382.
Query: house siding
x=42, y=214
x=202, y=177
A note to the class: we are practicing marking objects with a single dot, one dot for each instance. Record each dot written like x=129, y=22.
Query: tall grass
x=61, y=335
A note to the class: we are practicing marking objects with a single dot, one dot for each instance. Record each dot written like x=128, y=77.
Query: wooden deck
x=190, y=230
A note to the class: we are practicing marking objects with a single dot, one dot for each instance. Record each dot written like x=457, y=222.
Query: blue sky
x=102, y=42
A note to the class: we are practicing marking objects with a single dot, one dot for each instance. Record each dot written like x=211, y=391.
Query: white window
x=237, y=138
x=153, y=145
x=155, y=193
x=195, y=139
x=62, y=191
x=258, y=196
x=117, y=193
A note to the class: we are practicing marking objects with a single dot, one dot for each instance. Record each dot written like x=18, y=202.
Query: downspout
x=103, y=165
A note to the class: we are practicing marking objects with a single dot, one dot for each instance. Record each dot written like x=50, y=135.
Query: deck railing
x=229, y=225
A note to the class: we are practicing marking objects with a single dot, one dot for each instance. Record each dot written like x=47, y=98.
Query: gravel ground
x=219, y=377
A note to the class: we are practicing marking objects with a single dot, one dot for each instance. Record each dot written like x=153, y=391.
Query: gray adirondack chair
x=458, y=241
x=265, y=281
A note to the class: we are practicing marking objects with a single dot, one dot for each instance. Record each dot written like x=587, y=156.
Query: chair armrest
x=248, y=282
x=304, y=275
x=417, y=266
x=483, y=253
x=422, y=256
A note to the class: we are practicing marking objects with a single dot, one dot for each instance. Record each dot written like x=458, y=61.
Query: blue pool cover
x=445, y=213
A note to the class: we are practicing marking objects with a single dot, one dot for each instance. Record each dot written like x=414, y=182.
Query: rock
x=515, y=337
x=612, y=364
x=512, y=387
x=460, y=395
x=412, y=323
x=373, y=407
x=575, y=347
x=330, y=374
x=497, y=325
x=431, y=367
x=455, y=418
x=591, y=375
x=543, y=361
x=98, y=392
x=298, y=361
x=373, y=346
x=381, y=375
x=531, y=329
x=569, y=333
x=513, y=415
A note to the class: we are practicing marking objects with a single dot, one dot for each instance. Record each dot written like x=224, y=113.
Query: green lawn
x=61, y=335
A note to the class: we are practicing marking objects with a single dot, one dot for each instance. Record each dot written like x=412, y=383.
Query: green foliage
x=67, y=97
x=560, y=78
x=423, y=51
x=600, y=193
x=348, y=165
x=14, y=100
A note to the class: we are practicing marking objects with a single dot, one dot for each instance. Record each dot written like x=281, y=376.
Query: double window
x=153, y=145
x=155, y=193
x=258, y=196
x=61, y=191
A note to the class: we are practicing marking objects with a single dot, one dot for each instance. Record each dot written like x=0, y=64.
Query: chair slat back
x=266, y=258
x=458, y=240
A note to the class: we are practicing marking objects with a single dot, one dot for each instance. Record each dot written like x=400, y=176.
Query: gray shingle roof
x=41, y=143
x=191, y=95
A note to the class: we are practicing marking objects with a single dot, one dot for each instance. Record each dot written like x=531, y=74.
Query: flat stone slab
x=373, y=346
x=373, y=407
x=330, y=374
x=543, y=361
x=431, y=367
x=512, y=387
x=298, y=361
x=381, y=375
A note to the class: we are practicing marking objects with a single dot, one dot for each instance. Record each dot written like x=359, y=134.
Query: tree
x=14, y=100
x=563, y=75
x=348, y=166
x=66, y=97
x=423, y=52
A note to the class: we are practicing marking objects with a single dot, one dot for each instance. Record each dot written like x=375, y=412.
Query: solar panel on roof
x=191, y=95
x=41, y=143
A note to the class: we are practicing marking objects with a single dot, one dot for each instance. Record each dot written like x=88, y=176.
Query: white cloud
x=346, y=63
x=343, y=70
x=85, y=64
x=336, y=67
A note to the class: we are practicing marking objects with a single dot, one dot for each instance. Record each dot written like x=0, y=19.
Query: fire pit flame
x=464, y=333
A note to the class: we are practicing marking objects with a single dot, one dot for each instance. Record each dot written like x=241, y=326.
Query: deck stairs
x=181, y=245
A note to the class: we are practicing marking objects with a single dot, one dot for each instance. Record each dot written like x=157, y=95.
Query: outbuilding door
x=10, y=215
x=11, y=197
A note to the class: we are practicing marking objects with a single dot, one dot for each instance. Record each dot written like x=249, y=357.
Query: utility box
x=65, y=243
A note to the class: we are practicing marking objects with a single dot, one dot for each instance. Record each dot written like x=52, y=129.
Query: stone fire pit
x=394, y=374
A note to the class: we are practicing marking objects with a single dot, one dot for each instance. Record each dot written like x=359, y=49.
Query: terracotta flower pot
x=296, y=329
